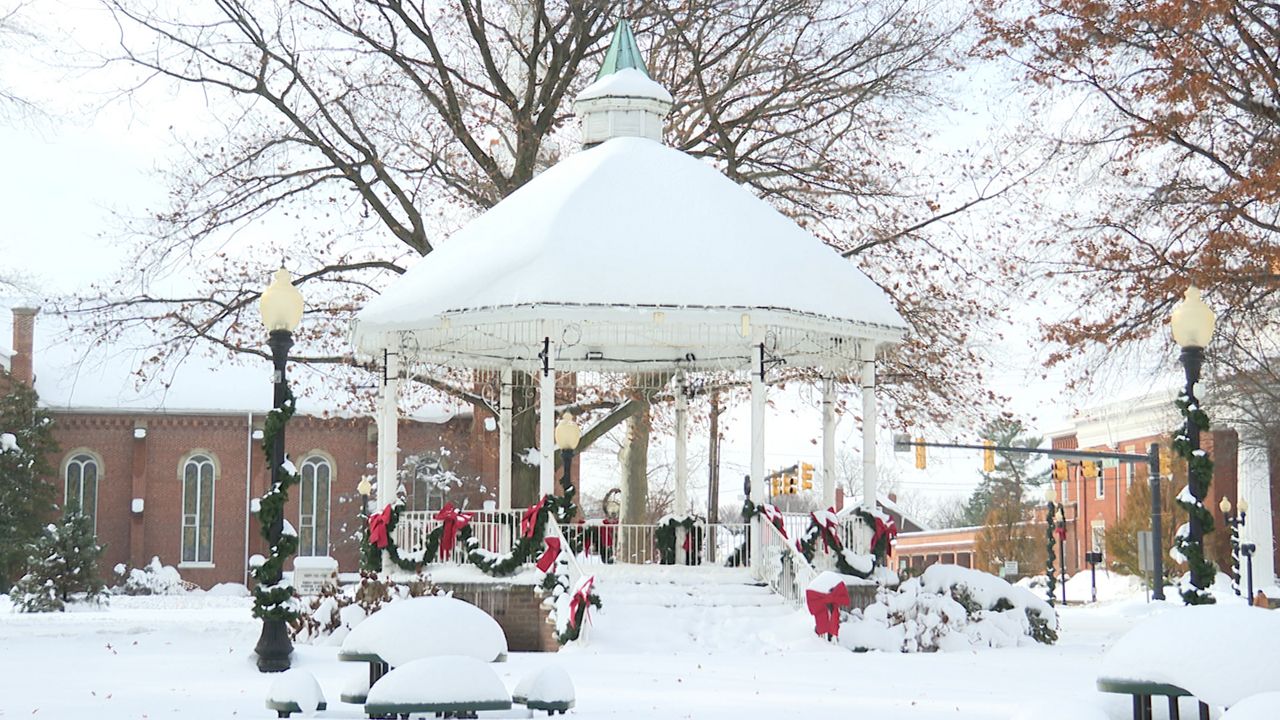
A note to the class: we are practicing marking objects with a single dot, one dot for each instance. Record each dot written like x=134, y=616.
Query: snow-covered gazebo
x=630, y=256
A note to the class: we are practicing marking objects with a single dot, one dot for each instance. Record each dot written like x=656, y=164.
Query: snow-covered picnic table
x=417, y=628
x=1208, y=652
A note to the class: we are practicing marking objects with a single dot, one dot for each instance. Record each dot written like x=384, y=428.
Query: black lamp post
x=1235, y=521
x=567, y=435
x=1192, y=324
x=281, y=308
x=1247, y=549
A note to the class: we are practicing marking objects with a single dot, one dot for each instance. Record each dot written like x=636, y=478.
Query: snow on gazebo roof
x=627, y=253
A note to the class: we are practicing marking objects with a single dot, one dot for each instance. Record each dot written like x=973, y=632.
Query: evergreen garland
x=808, y=542
x=665, y=536
x=1199, y=474
x=271, y=599
x=1050, y=556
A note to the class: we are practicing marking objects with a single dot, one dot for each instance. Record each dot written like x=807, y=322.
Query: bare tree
x=370, y=129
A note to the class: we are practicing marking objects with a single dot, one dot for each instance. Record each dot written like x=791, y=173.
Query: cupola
x=623, y=101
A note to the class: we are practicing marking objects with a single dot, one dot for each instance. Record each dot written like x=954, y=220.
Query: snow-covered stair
x=661, y=607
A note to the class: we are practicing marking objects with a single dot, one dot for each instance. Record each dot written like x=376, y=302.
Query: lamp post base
x=274, y=647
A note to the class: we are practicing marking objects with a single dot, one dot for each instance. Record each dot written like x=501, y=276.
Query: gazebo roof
x=626, y=233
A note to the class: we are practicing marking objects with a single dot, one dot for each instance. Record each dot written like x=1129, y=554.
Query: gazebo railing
x=594, y=543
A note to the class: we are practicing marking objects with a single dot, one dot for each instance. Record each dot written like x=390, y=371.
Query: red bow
x=828, y=530
x=886, y=530
x=581, y=600
x=378, y=528
x=529, y=521
x=453, y=522
x=772, y=515
x=548, y=557
x=606, y=532
x=825, y=609
x=1061, y=532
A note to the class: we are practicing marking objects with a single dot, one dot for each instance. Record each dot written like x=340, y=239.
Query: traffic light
x=775, y=486
x=1059, y=470
x=1166, y=460
x=806, y=475
x=988, y=457
x=1090, y=469
x=920, y=454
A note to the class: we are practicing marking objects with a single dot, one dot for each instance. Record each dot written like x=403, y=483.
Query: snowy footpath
x=717, y=648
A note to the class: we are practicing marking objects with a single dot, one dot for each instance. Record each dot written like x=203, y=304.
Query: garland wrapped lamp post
x=281, y=308
x=567, y=436
x=1235, y=521
x=1050, y=499
x=1192, y=323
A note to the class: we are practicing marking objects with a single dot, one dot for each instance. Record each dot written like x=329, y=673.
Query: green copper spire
x=623, y=52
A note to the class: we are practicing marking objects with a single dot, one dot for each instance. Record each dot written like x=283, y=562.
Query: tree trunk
x=635, y=466
x=524, y=435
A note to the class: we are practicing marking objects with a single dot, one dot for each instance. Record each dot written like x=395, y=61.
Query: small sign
x=313, y=574
x=1010, y=567
x=1146, y=558
x=1110, y=463
x=1093, y=557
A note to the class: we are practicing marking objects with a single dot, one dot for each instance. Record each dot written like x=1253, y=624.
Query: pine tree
x=26, y=499
x=62, y=567
x=1002, y=506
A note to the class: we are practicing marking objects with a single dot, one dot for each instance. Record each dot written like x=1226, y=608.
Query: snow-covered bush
x=154, y=579
x=950, y=608
x=330, y=615
x=63, y=567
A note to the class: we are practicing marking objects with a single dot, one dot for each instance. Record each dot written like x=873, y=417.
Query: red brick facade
x=142, y=455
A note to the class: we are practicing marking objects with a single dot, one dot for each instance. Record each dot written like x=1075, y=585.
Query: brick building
x=1094, y=504
x=179, y=484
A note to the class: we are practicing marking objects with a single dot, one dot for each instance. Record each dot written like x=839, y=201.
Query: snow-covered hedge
x=154, y=579
x=327, y=618
x=950, y=608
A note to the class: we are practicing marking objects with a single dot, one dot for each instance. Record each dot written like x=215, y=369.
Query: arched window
x=82, y=485
x=313, y=505
x=198, y=475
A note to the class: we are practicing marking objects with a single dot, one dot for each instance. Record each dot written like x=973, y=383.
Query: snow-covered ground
x=714, y=649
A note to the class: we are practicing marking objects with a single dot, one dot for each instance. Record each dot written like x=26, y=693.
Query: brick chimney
x=24, y=330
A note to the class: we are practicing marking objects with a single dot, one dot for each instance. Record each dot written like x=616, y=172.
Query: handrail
x=576, y=573
x=782, y=566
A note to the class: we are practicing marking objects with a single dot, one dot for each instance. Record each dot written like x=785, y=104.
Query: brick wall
x=518, y=610
x=141, y=455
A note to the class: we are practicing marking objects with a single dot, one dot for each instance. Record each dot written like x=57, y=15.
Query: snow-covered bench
x=548, y=689
x=1142, y=693
x=450, y=685
x=295, y=691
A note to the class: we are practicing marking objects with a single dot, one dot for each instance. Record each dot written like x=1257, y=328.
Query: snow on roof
x=629, y=223
x=627, y=82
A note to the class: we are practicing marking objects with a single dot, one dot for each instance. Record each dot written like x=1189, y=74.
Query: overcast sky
x=71, y=174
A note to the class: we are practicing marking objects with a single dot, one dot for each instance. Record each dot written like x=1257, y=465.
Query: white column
x=868, y=425
x=1254, y=473
x=828, y=441
x=682, y=449
x=546, y=429
x=757, y=452
x=504, y=441
x=388, y=439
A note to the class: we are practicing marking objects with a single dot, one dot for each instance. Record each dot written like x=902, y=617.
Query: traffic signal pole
x=902, y=443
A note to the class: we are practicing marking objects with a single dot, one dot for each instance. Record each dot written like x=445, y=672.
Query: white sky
x=69, y=173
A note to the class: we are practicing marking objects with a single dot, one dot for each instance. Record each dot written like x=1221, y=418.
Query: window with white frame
x=81, y=485
x=313, y=506
x=198, y=476
x=1098, y=535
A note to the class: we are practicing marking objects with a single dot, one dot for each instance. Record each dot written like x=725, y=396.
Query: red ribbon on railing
x=529, y=521
x=378, y=528
x=1061, y=532
x=452, y=521
x=548, y=557
x=772, y=514
x=606, y=532
x=829, y=531
x=885, y=529
x=581, y=599
x=825, y=608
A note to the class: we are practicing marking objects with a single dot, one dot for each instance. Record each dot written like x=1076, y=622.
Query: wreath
x=665, y=538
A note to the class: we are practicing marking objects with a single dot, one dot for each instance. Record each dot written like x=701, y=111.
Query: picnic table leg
x=1137, y=708
x=1173, y=708
x=1204, y=711
x=1146, y=707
